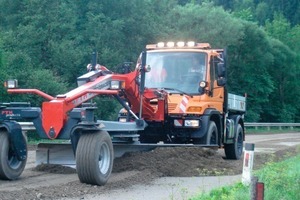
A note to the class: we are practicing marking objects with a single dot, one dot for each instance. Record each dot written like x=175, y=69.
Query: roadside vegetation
x=281, y=180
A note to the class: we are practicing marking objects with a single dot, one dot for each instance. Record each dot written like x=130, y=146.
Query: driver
x=158, y=75
x=196, y=66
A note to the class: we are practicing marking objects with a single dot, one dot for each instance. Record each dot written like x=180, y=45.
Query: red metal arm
x=32, y=91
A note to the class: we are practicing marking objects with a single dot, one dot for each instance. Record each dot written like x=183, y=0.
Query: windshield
x=180, y=71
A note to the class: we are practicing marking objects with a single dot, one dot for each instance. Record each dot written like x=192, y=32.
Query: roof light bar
x=161, y=44
x=191, y=44
x=179, y=44
x=170, y=44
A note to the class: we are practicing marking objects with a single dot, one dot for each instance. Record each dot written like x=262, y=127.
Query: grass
x=282, y=181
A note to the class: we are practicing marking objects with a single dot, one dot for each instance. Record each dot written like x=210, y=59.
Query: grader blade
x=62, y=153
x=59, y=154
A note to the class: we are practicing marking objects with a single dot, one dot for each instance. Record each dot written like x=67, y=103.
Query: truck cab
x=191, y=79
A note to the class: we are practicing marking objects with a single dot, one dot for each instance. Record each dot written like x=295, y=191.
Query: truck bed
x=236, y=103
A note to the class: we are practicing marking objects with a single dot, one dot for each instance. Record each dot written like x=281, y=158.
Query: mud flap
x=18, y=141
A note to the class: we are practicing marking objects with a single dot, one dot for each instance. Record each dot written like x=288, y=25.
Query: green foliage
x=245, y=14
x=236, y=192
x=284, y=70
x=282, y=180
x=264, y=10
x=53, y=40
x=249, y=75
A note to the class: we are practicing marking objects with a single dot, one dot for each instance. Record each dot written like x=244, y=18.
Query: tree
x=248, y=73
x=204, y=23
x=285, y=70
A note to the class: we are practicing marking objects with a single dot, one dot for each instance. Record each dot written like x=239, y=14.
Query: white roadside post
x=248, y=163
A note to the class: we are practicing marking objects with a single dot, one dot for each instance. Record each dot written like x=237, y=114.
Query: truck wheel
x=212, y=134
x=94, y=158
x=10, y=166
x=235, y=150
x=211, y=137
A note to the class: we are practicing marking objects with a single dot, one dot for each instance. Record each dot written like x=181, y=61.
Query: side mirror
x=221, y=70
x=221, y=81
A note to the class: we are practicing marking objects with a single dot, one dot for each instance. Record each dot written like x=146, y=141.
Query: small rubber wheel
x=10, y=166
x=94, y=158
x=235, y=150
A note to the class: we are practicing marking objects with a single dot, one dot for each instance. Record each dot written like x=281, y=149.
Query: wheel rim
x=104, y=158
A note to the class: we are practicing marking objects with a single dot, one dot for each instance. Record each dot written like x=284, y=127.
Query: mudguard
x=204, y=123
x=237, y=120
x=16, y=138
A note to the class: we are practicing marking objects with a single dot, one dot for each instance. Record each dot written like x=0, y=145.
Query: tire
x=211, y=137
x=235, y=150
x=212, y=134
x=10, y=166
x=94, y=158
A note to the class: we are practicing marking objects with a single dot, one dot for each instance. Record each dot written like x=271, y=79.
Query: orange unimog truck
x=190, y=79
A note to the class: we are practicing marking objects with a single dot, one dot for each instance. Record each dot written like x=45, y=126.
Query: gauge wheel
x=94, y=158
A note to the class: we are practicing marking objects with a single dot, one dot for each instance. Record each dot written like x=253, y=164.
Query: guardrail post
x=248, y=163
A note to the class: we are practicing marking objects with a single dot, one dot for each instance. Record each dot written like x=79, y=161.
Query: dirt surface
x=56, y=182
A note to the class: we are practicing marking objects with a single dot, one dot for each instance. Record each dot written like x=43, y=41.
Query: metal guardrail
x=269, y=125
x=28, y=126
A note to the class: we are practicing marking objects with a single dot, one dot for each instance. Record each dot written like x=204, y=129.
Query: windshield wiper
x=180, y=91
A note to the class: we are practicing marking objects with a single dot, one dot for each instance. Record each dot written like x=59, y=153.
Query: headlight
x=191, y=123
x=116, y=85
x=122, y=119
x=10, y=84
x=203, y=84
